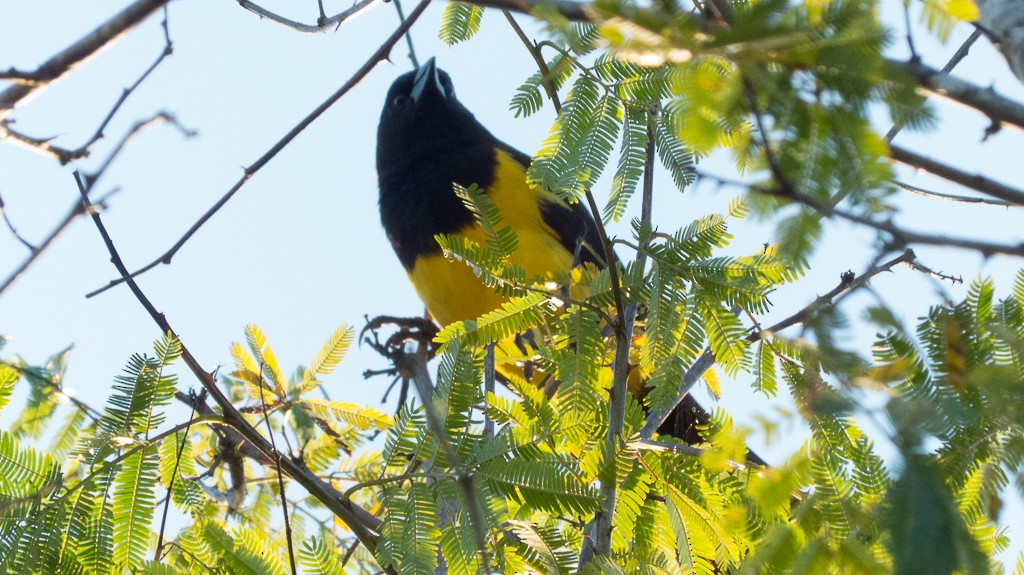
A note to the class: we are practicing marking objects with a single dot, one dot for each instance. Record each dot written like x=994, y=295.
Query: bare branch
x=917, y=266
x=323, y=23
x=1000, y=109
x=952, y=197
x=66, y=59
x=489, y=377
x=280, y=477
x=170, y=488
x=83, y=150
x=664, y=446
x=408, y=36
x=14, y=231
x=377, y=57
x=90, y=179
x=160, y=117
x=76, y=210
x=977, y=182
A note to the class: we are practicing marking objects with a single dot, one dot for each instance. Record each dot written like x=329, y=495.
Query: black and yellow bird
x=426, y=142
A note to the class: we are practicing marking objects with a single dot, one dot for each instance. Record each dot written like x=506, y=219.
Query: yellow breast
x=451, y=291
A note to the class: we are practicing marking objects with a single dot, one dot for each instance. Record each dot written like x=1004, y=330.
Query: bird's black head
x=422, y=118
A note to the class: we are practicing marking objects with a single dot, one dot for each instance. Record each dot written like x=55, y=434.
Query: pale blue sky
x=299, y=250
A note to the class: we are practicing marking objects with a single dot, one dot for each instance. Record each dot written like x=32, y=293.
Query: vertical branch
x=170, y=486
x=408, y=33
x=280, y=477
x=620, y=369
x=414, y=365
x=489, y=376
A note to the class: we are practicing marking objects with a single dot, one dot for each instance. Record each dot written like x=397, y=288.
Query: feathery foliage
x=783, y=87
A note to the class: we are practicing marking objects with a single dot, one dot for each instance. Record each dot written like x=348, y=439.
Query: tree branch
x=576, y=11
x=414, y=366
x=1000, y=109
x=65, y=155
x=76, y=208
x=322, y=23
x=66, y=59
x=14, y=231
x=280, y=477
x=620, y=374
x=953, y=198
x=945, y=171
x=377, y=57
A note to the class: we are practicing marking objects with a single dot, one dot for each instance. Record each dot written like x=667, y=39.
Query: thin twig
x=620, y=374
x=96, y=470
x=280, y=477
x=35, y=373
x=356, y=518
x=688, y=450
x=377, y=57
x=75, y=211
x=489, y=377
x=14, y=231
x=414, y=365
x=170, y=487
x=323, y=22
x=83, y=150
x=977, y=182
x=606, y=244
x=160, y=117
x=545, y=73
x=899, y=236
x=917, y=266
x=952, y=197
x=575, y=11
x=909, y=30
x=91, y=179
x=65, y=155
x=408, y=35
x=959, y=55
x=66, y=59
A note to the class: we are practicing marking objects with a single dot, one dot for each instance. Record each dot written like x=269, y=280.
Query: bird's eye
x=400, y=101
x=446, y=83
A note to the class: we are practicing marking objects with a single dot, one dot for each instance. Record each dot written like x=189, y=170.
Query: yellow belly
x=452, y=292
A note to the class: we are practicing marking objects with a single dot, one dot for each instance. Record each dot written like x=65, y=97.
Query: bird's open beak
x=426, y=81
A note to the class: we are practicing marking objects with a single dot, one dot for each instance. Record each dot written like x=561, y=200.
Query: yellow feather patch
x=450, y=289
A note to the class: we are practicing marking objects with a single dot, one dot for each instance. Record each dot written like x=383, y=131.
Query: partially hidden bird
x=427, y=141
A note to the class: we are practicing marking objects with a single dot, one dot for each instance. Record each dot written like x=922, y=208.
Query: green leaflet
x=459, y=22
